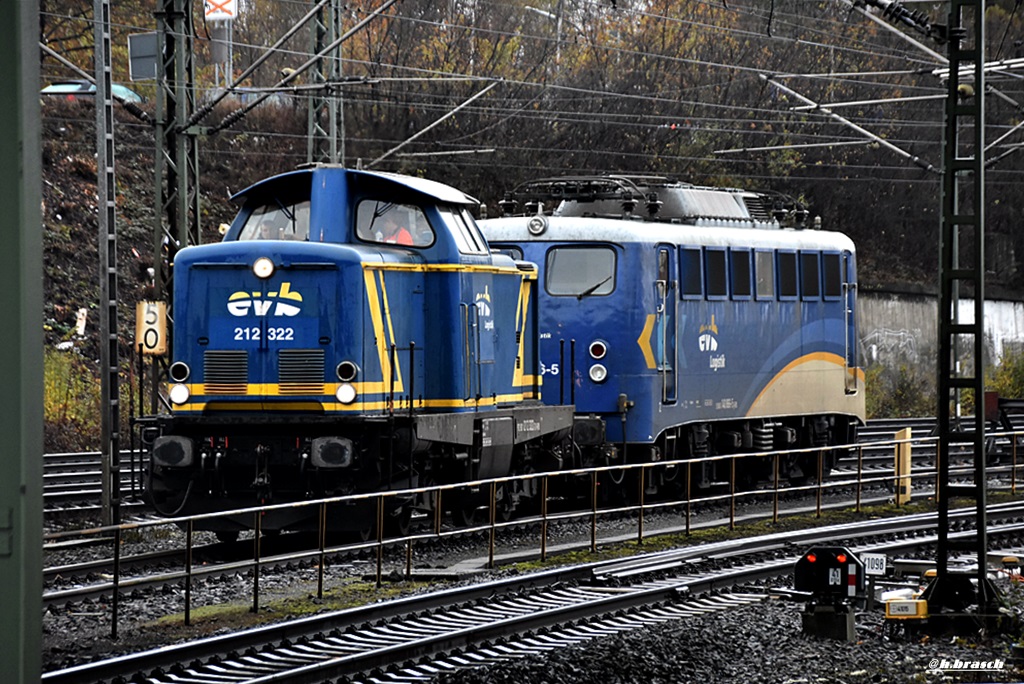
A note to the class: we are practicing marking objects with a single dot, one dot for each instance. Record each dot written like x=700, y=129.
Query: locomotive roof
x=293, y=180
x=654, y=198
x=589, y=229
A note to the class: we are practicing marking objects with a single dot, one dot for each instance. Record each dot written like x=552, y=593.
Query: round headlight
x=347, y=371
x=537, y=225
x=346, y=393
x=598, y=349
x=179, y=394
x=179, y=371
x=263, y=268
x=598, y=373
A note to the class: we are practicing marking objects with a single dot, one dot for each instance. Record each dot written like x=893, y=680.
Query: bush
x=903, y=392
x=71, y=402
x=1007, y=379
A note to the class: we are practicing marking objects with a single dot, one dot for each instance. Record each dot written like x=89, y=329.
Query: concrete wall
x=903, y=328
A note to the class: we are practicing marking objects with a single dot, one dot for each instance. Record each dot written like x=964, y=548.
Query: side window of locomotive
x=764, y=272
x=831, y=266
x=787, y=276
x=810, y=276
x=468, y=237
x=692, y=267
x=718, y=287
x=740, y=272
x=508, y=250
x=580, y=271
x=391, y=223
x=277, y=222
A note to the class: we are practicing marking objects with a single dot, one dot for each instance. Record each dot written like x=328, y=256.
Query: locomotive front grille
x=301, y=371
x=226, y=372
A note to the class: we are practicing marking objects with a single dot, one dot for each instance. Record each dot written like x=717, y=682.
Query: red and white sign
x=220, y=10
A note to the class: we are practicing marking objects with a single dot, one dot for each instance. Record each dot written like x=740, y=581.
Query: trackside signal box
x=829, y=573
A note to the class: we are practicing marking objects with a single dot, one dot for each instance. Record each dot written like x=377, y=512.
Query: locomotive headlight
x=537, y=225
x=179, y=371
x=598, y=373
x=179, y=394
x=263, y=268
x=598, y=349
x=346, y=393
x=347, y=371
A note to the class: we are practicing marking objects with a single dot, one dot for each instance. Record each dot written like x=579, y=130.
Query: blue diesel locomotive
x=687, y=321
x=353, y=332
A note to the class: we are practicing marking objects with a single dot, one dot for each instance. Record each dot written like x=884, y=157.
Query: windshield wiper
x=592, y=289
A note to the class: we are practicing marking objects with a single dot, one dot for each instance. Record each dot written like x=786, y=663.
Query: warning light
x=841, y=558
x=811, y=558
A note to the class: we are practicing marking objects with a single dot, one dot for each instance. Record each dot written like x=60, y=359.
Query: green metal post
x=21, y=407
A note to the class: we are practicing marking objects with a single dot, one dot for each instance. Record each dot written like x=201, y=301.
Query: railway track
x=416, y=637
x=72, y=484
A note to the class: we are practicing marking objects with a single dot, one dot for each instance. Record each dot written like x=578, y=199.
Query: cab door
x=666, y=300
x=850, y=320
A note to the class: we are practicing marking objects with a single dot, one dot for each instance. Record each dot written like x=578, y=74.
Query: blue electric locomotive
x=353, y=332
x=688, y=321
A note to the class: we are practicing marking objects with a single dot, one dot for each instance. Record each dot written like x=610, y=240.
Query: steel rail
x=374, y=636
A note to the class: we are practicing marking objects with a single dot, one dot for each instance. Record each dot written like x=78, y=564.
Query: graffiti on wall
x=886, y=346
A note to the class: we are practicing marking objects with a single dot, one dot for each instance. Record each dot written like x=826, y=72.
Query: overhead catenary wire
x=772, y=148
x=200, y=113
x=863, y=131
x=436, y=123
x=239, y=113
x=582, y=117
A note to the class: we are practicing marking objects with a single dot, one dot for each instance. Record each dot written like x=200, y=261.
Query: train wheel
x=398, y=522
x=505, y=506
x=464, y=515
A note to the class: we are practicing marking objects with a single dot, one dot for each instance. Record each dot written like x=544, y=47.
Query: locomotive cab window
x=787, y=276
x=832, y=276
x=692, y=267
x=465, y=231
x=508, y=250
x=580, y=271
x=394, y=224
x=277, y=222
x=764, y=272
x=810, y=277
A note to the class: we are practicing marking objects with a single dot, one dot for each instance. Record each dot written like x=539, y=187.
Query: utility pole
x=110, y=421
x=962, y=263
x=21, y=338
x=177, y=153
x=951, y=595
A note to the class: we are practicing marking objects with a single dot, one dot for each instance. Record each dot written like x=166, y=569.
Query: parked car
x=72, y=90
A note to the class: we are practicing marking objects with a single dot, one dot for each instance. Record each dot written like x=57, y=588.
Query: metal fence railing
x=846, y=477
